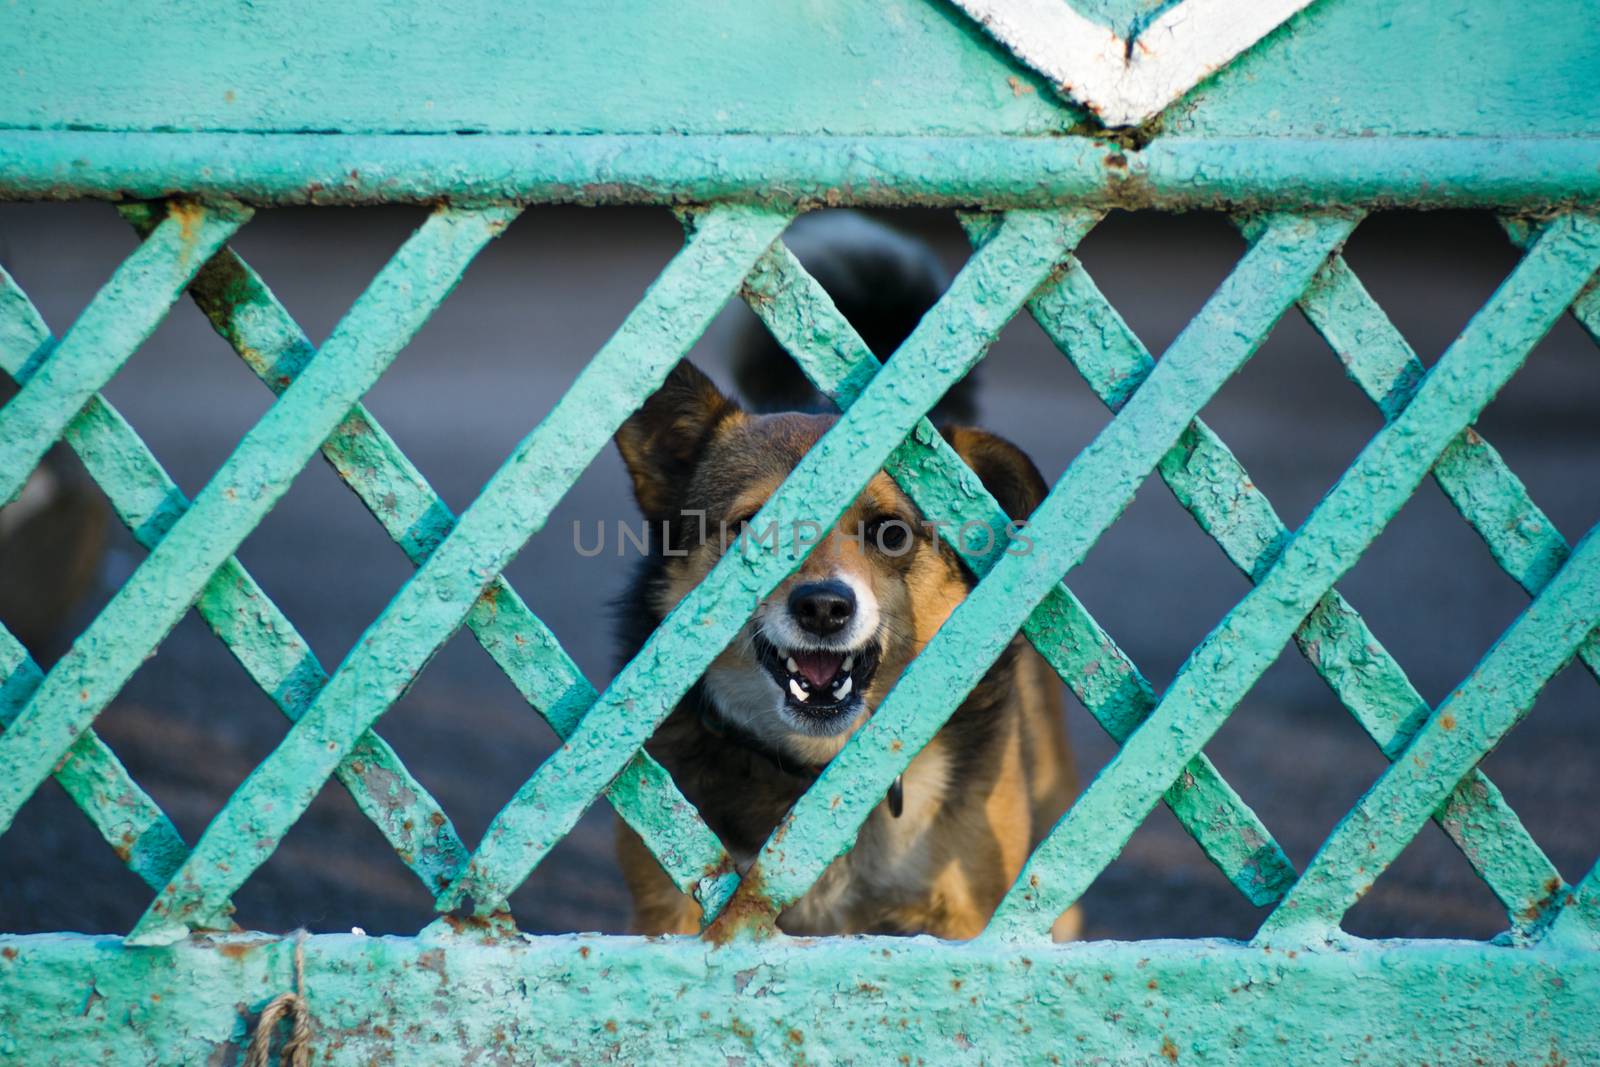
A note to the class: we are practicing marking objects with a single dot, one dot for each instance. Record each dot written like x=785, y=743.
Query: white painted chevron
x=1124, y=85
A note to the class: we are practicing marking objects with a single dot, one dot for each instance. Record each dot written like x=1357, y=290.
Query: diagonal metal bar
x=264, y=642
x=1586, y=308
x=1085, y=502
x=128, y=818
x=1521, y=538
x=251, y=319
x=950, y=339
x=1248, y=639
x=122, y=314
x=803, y=318
x=1496, y=696
x=428, y=608
x=1210, y=483
x=1577, y=922
x=260, y=470
x=1477, y=481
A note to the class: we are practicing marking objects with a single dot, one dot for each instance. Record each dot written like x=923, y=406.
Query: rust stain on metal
x=189, y=216
x=749, y=912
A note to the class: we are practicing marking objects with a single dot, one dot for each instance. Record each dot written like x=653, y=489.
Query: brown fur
x=975, y=800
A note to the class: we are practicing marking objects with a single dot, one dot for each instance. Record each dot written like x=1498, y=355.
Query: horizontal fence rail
x=1535, y=173
x=867, y=1000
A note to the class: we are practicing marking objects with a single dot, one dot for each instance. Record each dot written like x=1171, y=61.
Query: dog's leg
x=1052, y=780
x=984, y=843
x=658, y=907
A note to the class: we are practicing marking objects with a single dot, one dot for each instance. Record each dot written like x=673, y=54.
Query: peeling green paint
x=67, y=1000
x=249, y=483
x=264, y=641
x=437, y=599
x=1209, y=482
x=1244, y=644
x=1346, y=69
x=944, y=346
x=1180, y=173
x=802, y=317
x=241, y=307
x=1351, y=105
x=127, y=818
x=1467, y=724
x=121, y=315
x=504, y=66
x=1086, y=501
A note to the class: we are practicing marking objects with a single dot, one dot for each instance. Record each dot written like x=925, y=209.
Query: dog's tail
x=882, y=281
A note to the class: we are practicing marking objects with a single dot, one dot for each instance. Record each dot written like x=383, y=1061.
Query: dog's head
x=831, y=639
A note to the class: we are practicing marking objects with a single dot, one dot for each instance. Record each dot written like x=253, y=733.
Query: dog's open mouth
x=820, y=686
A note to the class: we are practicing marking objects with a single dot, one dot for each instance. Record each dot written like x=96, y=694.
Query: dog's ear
x=1005, y=470
x=661, y=443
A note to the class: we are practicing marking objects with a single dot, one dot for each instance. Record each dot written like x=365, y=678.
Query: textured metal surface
x=950, y=339
x=1212, y=485
x=802, y=317
x=243, y=310
x=68, y=1000
x=200, y=540
x=263, y=641
x=1244, y=644
x=127, y=818
x=893, y=68
x=116, y=322
x=512, y=506
x=1461, y=731
x=1088, y=498
x=1306, y=171
x=1349, y=105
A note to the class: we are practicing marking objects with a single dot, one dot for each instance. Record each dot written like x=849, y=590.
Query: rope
x=296, y=1051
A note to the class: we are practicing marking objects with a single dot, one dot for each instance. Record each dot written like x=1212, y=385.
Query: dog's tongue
x=819, y=667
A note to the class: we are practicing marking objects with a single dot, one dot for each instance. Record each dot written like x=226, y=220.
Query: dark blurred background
x=534, y=308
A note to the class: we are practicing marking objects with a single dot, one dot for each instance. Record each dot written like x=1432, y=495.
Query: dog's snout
x=822, y=608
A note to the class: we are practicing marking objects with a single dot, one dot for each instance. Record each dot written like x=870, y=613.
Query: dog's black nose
x=822, y=608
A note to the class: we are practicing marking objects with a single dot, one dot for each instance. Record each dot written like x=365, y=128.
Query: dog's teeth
x=849, y=661
x=794, y=668
x=844, y=688
x=794, y=687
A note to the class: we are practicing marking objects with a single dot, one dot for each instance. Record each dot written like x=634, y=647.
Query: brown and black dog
x=819, y=654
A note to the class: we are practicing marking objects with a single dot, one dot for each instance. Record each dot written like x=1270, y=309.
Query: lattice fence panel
x=1022, y=259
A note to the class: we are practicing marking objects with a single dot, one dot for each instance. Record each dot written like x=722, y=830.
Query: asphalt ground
x=190, y=725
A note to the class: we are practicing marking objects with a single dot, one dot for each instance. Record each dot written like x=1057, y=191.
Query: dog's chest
x=889, y=871
x=743, y=797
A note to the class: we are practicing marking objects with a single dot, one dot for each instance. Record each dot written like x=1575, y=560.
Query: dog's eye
x=888, y=533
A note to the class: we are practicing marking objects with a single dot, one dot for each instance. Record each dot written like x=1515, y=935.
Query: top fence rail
x=1367, y=103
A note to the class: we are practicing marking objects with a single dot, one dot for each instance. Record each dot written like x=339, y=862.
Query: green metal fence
x=194, y=115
